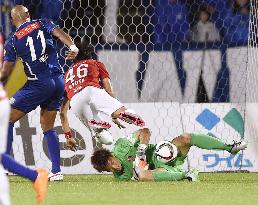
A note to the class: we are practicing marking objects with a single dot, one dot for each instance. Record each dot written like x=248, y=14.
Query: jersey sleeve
x=102, y=71
x=9, y=52
x=49, y=25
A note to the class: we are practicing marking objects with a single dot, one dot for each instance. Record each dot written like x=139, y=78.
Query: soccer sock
x=53, y=149
x=4, y=188
x=207, y=142
x=9, y=138
x=12, y=166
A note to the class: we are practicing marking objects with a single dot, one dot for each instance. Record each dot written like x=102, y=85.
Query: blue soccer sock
x=9, y=138
x=12, y=166
x=53, y=149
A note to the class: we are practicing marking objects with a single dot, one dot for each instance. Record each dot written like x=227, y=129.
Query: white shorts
x=92, y=102
x=4, y=121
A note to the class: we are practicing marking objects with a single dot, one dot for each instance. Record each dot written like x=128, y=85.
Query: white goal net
x=181, y=64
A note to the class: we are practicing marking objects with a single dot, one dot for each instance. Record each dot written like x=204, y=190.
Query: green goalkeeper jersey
x=125, y=150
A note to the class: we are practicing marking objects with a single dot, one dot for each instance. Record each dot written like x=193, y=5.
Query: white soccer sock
x=4, y=188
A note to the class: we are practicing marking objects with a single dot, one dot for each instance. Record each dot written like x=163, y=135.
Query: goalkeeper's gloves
x=140, y=153
x=140, y=163
x=138, y=166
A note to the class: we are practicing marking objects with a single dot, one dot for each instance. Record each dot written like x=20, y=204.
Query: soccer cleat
x=40, y=185
x=104, y=137
x=131, y=119
x=192, y=175
x=55, y=177
x=238, y=146
x=99, y=125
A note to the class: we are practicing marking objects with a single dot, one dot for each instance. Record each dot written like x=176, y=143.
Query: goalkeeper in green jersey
x=132, y=157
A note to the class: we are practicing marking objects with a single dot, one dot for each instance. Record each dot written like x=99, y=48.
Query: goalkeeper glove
x=140, y=153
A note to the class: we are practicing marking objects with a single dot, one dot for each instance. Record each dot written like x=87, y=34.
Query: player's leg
x=39, y=177
x=185, y=141
x=15, y=115
x=103, y=102
x=4, y=188
x=99, y=128
x=47, y=120
x=4, y=118
x=161, y=174
x=8, y=162
x=25, y=100
x=40, y=182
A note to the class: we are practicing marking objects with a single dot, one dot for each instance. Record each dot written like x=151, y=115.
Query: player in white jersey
x=4, y=119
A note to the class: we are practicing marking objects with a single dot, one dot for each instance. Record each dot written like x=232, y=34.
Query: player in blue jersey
x=29, y=43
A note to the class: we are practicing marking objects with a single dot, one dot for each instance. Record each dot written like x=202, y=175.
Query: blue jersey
x=53, y=58
x=30, y=43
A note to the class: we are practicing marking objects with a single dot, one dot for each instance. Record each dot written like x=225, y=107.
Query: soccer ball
x=165, y=151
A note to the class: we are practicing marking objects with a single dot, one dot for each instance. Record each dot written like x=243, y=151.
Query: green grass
x=212, y=189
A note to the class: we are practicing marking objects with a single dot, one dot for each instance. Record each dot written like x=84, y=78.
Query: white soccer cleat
x=131, y=117
x=55, y=177
x=192, y=175
x=238, y=146
x=104, y=137
x=99, y=125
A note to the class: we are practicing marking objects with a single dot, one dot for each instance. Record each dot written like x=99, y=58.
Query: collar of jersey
x=22, y=25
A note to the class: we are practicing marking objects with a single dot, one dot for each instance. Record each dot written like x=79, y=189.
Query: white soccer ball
x=165, y=151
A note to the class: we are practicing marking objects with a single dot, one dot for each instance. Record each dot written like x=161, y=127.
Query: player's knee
x=146, y=130
x=185, y=138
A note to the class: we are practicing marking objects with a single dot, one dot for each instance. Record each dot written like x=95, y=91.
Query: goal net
x=182, y=65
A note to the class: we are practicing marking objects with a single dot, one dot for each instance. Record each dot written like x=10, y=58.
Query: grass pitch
x=212, y=189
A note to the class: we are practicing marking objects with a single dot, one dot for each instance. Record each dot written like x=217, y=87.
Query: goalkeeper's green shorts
x=169, y=174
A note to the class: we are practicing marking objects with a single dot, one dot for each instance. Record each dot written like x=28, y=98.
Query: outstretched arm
x=6, y=70
x=67, y=40
x=62, y=36
x=108, y=87
x=63, y=115
x=70, y=142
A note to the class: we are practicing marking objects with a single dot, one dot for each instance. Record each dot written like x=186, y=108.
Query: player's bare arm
x=6, y=70
x=70, y=141
x=63, y=115
x=108, y=87
x=66, y=39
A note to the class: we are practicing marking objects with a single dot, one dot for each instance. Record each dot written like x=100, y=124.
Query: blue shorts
x=46, y=93
x=56, y=100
